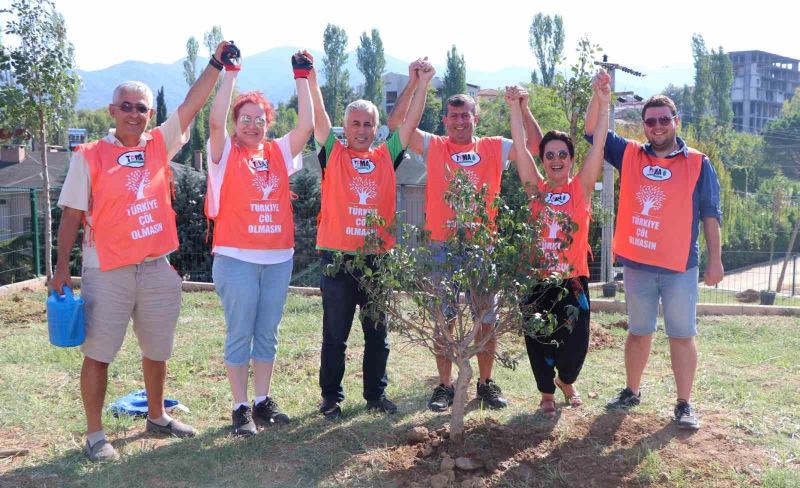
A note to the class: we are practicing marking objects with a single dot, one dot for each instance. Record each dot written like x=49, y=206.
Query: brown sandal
x=548, y=407
x=575, y=400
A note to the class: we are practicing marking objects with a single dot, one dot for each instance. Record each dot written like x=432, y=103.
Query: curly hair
x=255, y=97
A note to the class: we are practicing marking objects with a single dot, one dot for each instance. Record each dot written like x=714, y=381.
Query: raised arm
x=199, y=92
x=599, y=79
x=322, y=123
x=403, y=104
x=302, y=64
x=217, y=118
x=593, y=163
x=526, y=168
x=533, y=133
x=408, y=128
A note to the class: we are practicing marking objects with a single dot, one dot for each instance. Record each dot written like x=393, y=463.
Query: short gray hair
x=133, y=87
x=364, y=105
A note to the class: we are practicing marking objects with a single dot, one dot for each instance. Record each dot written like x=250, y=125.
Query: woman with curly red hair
x=248, y=198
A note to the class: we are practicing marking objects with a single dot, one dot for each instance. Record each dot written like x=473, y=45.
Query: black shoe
x=243, y=424
x=624, y=399
x=331, y=409
x=382, y=404
x=685, y=417
x=266, y=412
x=441, y=398
x=491, y=395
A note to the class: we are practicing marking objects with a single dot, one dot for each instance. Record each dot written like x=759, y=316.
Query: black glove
x=231, y=57
x=302, y=64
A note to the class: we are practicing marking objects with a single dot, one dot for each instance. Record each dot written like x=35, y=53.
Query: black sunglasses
x=550, y=155
x=128, y=107
x=663, y=121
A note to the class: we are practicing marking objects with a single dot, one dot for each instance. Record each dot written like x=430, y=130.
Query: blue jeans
x=253, y=296
x=678, y=294
x=340, y=296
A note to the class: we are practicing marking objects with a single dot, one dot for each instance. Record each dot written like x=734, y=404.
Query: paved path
x=756, y=277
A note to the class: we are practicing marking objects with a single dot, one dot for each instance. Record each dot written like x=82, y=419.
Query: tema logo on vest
x=259, y=164
x=363, y=165
x=557, y=198
x=465, y=159
x=656, y=173
x=131, y=159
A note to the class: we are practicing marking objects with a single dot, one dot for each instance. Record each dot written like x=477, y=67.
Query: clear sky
x=491, y=34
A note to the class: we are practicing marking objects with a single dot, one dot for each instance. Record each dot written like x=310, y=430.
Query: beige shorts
x=150, y=293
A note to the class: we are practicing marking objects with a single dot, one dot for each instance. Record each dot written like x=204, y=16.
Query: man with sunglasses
x=120, y=187
x=484, y=159
x=666, y=189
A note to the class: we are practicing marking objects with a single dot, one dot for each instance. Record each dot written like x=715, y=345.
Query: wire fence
x=755, y=283
x=22, y=255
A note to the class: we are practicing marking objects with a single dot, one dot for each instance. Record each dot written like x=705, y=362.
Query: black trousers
x=340, y=295
x=567, y=357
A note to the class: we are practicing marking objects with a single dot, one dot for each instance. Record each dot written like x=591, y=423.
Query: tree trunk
x=573, y=125
x=771, y=252
x=460, y=402
x=48, y=218
x=776, y=209
x=779, y=286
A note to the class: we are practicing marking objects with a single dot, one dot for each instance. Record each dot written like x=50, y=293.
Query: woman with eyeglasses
x=557, y=358
x=249, y=200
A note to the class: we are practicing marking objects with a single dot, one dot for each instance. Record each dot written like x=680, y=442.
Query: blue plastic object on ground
x=65, y=319
x=135, y=404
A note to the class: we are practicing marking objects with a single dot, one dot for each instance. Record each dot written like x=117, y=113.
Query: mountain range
x=270, y=72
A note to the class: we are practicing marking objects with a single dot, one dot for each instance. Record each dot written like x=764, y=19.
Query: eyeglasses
x=128, y=107
x=562, y=155
x=663, y=121
x=259, y=121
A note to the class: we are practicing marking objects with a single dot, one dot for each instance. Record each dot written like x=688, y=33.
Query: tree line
x=39, y=86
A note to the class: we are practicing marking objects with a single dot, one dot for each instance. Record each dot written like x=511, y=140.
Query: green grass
x=747, y=388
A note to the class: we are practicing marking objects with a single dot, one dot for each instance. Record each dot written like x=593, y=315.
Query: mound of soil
x=600, y=337
x=610, y=449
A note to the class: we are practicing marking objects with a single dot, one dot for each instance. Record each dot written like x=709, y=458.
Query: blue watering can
x=65, y=319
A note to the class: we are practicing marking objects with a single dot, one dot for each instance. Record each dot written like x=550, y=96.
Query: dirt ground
x=600, y=337
x=577, y=450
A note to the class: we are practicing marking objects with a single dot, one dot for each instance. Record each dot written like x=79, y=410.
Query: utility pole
x=607, y=197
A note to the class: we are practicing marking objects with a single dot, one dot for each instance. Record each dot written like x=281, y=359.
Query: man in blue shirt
x=666, y=188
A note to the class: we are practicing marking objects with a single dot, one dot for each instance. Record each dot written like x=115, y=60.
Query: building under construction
x=762, y=82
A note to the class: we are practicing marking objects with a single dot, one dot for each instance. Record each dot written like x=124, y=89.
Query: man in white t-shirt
x=119, y=188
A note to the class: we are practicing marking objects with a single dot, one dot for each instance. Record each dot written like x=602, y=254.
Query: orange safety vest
x=132, y=216
x=654, y=219
x=569, y=199
x=354, y=185
x=255, y=210
x=481, y=160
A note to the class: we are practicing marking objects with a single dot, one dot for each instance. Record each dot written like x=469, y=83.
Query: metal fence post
x=794, y=274
x=37, y=265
